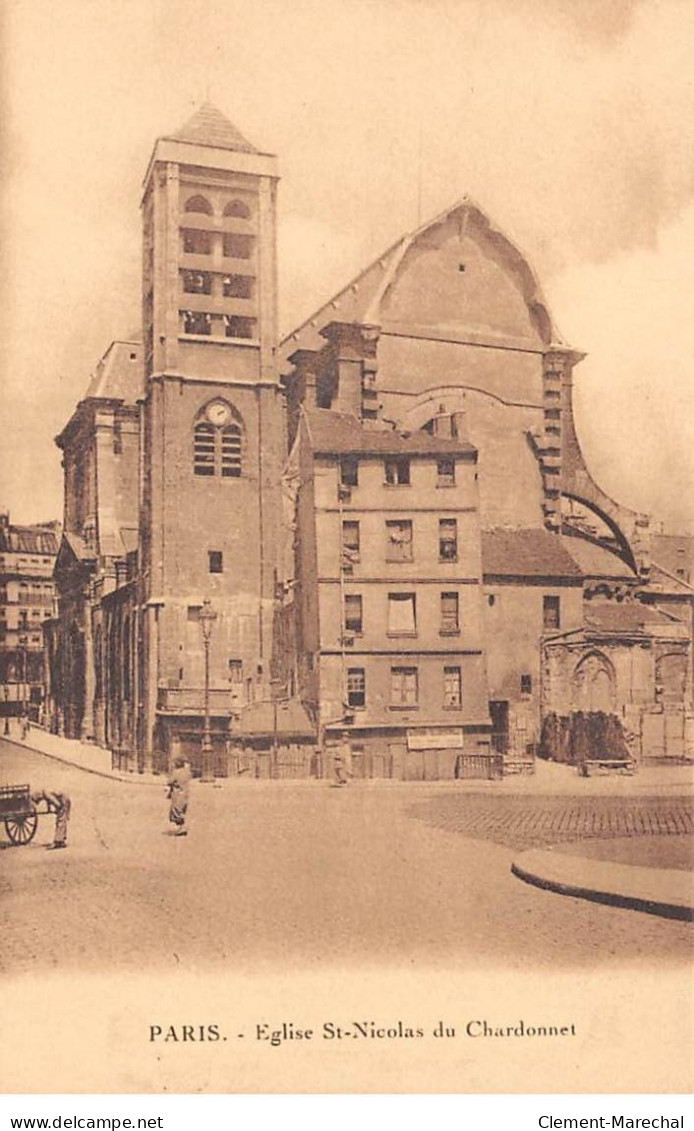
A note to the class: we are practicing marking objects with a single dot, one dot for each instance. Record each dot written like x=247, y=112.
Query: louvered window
x=217, y=449
x=231, y=451
x=204, y=444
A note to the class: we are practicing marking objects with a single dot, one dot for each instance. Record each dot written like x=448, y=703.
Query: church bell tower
x=212, y=426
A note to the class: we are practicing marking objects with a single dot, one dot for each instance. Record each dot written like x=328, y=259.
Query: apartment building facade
x=388, y=596
x=27, y=558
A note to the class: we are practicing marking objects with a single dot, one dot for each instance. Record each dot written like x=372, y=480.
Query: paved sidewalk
x=549, y=779
x=82, y=755
x=668, y=892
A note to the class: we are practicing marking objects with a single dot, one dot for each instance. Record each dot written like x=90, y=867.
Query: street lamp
x=275, y=685
x=207, y=618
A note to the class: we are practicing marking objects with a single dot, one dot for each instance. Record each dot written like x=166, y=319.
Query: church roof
x=208, y=126
x=365, y=298
x=119, y=373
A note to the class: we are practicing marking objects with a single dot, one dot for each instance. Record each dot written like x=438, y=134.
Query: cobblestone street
x=298, y=874
x=536, y=822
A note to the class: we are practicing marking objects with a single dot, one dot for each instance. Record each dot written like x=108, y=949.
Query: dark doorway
x=498, y=709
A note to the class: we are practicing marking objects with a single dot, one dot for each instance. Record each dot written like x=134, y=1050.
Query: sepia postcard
x=347, y=547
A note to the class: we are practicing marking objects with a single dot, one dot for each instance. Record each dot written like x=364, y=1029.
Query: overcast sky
x=570, y=121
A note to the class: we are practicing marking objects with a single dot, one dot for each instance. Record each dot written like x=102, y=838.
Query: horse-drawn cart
x=20, y=814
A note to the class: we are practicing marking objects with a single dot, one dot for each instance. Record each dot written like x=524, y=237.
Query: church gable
x=462, y=276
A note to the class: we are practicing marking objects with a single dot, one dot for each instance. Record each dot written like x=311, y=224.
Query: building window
x=238, y=209
x=197, y=282
x=194, y=614
x=236, y=327
x=231, y=451
x=237, y=286
x=216, y=561
x=449, y=614
x=445, y=472
x=353, y=613
x=402, y=614
x=235, y=671
x=399, y=541
x=526, y=684
x=198, y=204
x=349, y=472
x=551, y=616
x=356, y=687
x=448, y=540
x=217, y=450
x=204, y=444
x=404, y=687
x=196, y=242
x=195, y=322
x=397, y=472
x=452, y=687
x=236, y=246
x=350, y=543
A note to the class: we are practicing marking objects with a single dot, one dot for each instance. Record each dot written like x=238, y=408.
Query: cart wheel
x=21, y=830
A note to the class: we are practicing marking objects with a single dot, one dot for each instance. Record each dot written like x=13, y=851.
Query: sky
x=570, y=121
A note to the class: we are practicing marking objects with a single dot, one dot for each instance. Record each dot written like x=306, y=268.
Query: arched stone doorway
x=594, y=684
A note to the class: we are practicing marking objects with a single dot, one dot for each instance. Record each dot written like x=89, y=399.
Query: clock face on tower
x=218, y=413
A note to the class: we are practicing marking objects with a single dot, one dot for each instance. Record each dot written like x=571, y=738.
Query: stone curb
x=667, y=892
x=111, y=775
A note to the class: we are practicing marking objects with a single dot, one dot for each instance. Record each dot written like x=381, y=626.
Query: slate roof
x=28, y=540
x=337, y=433
x=526, y=553
x=119, y=374
x=627, y=616
x=208, y=126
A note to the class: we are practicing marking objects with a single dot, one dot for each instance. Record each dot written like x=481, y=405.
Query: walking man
x=178, y=791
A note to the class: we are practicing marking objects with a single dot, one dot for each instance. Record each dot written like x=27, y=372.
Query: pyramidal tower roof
x=208, y=126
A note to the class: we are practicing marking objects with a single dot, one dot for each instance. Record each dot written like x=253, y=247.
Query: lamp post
x=207, y=618
x=6, y=729
x=275, y=685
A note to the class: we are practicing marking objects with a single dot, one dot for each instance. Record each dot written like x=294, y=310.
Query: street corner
x=571, y=871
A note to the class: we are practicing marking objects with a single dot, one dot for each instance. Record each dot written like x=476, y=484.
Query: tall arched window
x=237, y=208
x=198, y=204
x=218, y=442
